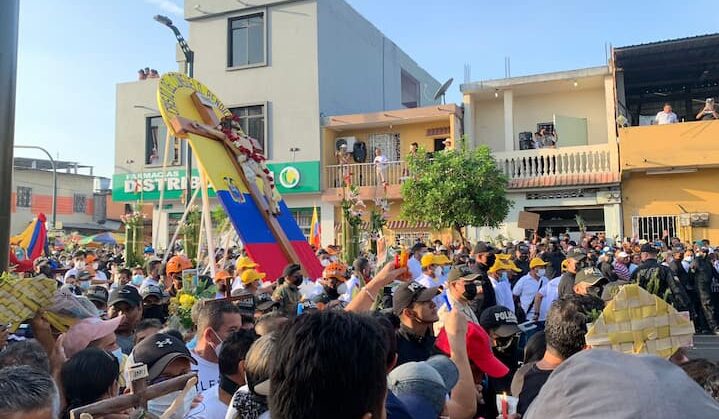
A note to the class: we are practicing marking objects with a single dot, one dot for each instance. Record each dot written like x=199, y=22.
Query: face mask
x=84, y=284
x=218, y=348
x=95, y=265
x=117, y=353
x=438, y=272
x=541, y=272
x=159, y=405
x=331, y=292
x=504, y=277
x=154, y=312
x=687, y=259
x=137, y=280
x=470, y=291
x=446, y=269
x=325, y=262
x=80, y=265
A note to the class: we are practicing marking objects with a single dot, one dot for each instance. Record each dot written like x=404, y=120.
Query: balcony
x=687, y=145
x=564, y=166
x=367, y=178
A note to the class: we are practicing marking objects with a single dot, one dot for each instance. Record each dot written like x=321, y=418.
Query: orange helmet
x=335, y=270
x=177, y=264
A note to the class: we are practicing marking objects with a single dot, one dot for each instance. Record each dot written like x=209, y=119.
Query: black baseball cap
x=246, y=303
x=501, y=320
x=157, y=351
x=576, y=254
x=127, y=294
x=264, y=302
x=291, y=269
x=418, y=246
x=464, y=274
x=152, y=290
x=482, y=247
x=648, y=248
x=83, y=275
x=592, y=276
x=97, y=293
x=411, y=292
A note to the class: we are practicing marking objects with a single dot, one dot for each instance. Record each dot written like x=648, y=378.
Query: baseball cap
x=80, y=334
x=432, y=259
x=418, y=246
x=221, y=276
x=458, y=273
x=83, y=275
x=592, y=276
x=500, y=319
x=251, y=275
x=482, y=247
x=504, y=263
x=291, y=269
x=246, y=303
x=411, y=292
x=245, y=262
x=97, y=293
x=152, y=290
x=479, y=350
x=576, y=254
x=264, y=301
x=622, y=255
x=535, y=262
x=648, y=248
x=588, y=385
x=127, y=294
x=430, y=380
x=157, y=351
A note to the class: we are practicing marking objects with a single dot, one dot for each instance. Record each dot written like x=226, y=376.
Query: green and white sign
x=290, y=178
x=296, y=177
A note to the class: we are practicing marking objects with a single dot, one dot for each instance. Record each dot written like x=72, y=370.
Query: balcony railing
x=366, y=174
x=572, y=164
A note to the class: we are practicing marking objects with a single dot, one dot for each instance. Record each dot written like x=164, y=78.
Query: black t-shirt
x=534, y=379
x=413, y=348
x=566, y=285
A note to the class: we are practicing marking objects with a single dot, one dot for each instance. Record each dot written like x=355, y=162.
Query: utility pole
x=9, y=17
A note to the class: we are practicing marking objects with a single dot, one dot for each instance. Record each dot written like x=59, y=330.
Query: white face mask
x=159, y=405
x=218, y=348
x=541, y=272
x=687, y=259
x=325, y=262
x=80, y=265
x=438, y=271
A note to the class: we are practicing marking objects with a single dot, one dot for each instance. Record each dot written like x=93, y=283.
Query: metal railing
x=525, y=164
x=366, y=174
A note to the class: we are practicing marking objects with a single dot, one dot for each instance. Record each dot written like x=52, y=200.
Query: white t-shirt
x=208, y=373
x=211, y=406
x=100, y=276
x=526, y=289
x=350, y=286
x=549, y=293
x=663, y=118
x=503, y=292
x=149, y=281
x=380, y=161
x=415, y=268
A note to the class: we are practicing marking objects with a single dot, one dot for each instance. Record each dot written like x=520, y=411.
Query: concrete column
x=609, y=105
x=327, y=223
x=508, y=120
x=613, y=220
x=468, y=121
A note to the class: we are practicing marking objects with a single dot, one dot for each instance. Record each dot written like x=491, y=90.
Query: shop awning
x=407, y=225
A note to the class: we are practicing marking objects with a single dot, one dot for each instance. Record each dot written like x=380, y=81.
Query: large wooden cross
x=263, y=201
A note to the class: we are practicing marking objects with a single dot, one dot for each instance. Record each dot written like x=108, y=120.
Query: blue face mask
x=117, y=353
x=85, y=284
x=446, y=269
x=504, y=277
x=137, y=280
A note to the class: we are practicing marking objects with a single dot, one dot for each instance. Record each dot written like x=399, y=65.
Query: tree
x=455, y=189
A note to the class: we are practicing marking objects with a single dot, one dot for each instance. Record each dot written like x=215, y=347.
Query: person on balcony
x=666, y=116
x=549, y=138
x=380, y=165
x=709, y=112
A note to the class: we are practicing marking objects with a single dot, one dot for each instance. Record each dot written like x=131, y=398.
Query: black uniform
x=703, y=273
x=412, y=347
x=659, y=280
x=607, y=271
x=555, y=259
x=487, y=298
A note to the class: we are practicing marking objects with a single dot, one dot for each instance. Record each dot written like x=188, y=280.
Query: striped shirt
x=621, y=270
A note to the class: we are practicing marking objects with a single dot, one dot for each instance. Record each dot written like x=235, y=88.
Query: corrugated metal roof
x=670, y=41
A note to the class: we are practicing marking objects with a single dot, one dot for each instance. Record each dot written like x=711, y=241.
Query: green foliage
x=191, y=231
x=454, y=189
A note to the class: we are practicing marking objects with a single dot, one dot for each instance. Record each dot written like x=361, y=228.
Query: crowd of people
x=461, y=331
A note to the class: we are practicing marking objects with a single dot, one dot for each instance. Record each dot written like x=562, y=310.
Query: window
x=24, y=197
x=388, y=143
x=79, y=203
x=410, y=91
x=303, y=217
x=246, y=40
x=252, y=121
x=652, y=228
x=155, y=135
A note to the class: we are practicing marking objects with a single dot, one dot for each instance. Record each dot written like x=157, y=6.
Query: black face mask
x=470, y=291
x=506, y=345
x=331, y=292
x=227, y=385
x=158, y=312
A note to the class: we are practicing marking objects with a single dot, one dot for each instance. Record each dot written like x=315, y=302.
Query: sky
x=72, y=53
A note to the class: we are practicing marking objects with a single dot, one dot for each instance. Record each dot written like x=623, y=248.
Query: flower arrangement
x=133, y=219
x=352, y=206
x=181, y=304
x=378, y=217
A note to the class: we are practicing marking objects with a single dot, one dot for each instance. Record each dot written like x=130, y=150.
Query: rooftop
x=394, y=117
x=44, y=164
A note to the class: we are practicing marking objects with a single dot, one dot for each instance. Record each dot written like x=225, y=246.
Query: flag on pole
x=315, y=230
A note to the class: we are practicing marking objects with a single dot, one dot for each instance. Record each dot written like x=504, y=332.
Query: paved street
x=705, y=347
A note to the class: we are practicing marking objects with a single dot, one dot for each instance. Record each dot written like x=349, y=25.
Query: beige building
x=575, y=172
x=282, y=66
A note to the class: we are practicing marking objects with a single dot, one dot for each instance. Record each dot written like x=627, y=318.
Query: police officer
x=659, y=280
x=703, y=272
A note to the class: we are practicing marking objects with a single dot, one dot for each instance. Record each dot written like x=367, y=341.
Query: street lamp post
x=9, y=17
x=54, y=181
x=189, y=70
